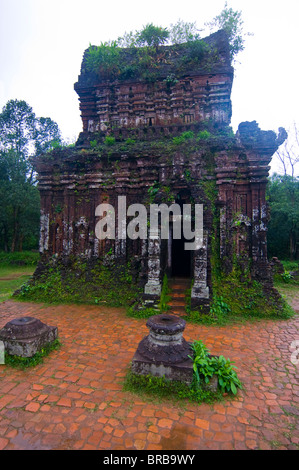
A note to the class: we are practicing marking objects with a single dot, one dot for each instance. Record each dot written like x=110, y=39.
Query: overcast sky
x=42, y=44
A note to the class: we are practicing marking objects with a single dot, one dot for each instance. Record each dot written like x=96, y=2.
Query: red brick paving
x=74, y=400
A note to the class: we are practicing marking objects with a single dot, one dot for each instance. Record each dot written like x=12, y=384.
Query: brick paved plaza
x=74, y=400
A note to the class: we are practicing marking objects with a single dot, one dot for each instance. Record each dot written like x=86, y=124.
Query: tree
x=288, y=153
x=283, y=192
x=283, y=230
x=152, y=36
x=230, y=21
x=182, y=31
x=22, y=136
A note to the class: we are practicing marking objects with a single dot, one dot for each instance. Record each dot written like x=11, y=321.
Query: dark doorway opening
x=181, y=259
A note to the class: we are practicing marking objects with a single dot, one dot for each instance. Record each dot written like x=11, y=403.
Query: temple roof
x=210, y=55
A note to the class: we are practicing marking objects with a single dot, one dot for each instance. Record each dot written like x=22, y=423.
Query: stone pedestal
x=164, y=352
x=26, y=336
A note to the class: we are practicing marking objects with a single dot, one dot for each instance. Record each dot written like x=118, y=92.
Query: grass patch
x=164, y=389
x=8, y=287
x=23, y=258
x=290, y=265
x=25, y=362
x=15, y=270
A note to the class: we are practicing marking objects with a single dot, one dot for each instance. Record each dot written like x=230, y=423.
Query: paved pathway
x=74, y=400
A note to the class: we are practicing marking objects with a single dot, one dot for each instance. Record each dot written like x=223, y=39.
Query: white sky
x=42, y=44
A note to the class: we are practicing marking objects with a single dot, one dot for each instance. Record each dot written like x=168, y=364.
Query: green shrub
x=286, y=276
x=187, y=135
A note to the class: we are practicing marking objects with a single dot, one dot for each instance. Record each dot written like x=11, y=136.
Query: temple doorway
x=179, y=259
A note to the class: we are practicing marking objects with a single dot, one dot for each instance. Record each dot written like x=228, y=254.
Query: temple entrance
x=180, y=259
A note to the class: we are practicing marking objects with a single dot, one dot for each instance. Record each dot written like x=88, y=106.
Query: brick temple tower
x=158, y=131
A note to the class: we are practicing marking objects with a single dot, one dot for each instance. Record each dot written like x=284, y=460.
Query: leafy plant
x=104, y=59
x=227, y=376
x=286, y=276
x=152, y=36
x=206, y=366
x=109, y=140
x=219, y=306
x=153, y=190
x=187, y=135
x=203, y=135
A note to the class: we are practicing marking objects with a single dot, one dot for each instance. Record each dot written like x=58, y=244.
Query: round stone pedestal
x=26, y=336
x=164, y=352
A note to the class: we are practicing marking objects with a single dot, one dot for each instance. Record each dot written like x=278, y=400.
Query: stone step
x=176, y=303
x=178, y=311
x=178, y=294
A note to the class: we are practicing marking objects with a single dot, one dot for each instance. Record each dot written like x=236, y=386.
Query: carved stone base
x=164, y=352
x=26, y=336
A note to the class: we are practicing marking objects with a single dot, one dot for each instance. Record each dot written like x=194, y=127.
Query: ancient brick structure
x=162, y=137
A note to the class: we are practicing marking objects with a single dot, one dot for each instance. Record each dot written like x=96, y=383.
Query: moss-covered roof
x=109, y=63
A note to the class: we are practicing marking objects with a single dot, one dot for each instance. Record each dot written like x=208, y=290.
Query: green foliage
x=231, y=21
x=194, y=53
x=246, y=299
x=185, y=136
x=101, y=282
x=181, y=32
x=165, y=389
x=165, y=297
x=206, y=366
x=109, y=140
x=283, y=228
x=104, y=59
x=107, y=60
x=152, y=36
x=23, y=136
x=219, y=307
x=24, y=258
x=26, y=362
x=153, y=190
x=93, y=143
x=286, y=276
x=139, y=311
x=203, y=135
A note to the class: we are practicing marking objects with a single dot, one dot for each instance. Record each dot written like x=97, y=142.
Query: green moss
x=242, y=300
x=165, y=297
x=26, y=362
x=81, y=281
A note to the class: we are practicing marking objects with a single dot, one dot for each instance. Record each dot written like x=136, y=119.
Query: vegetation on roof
x=142, y=53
